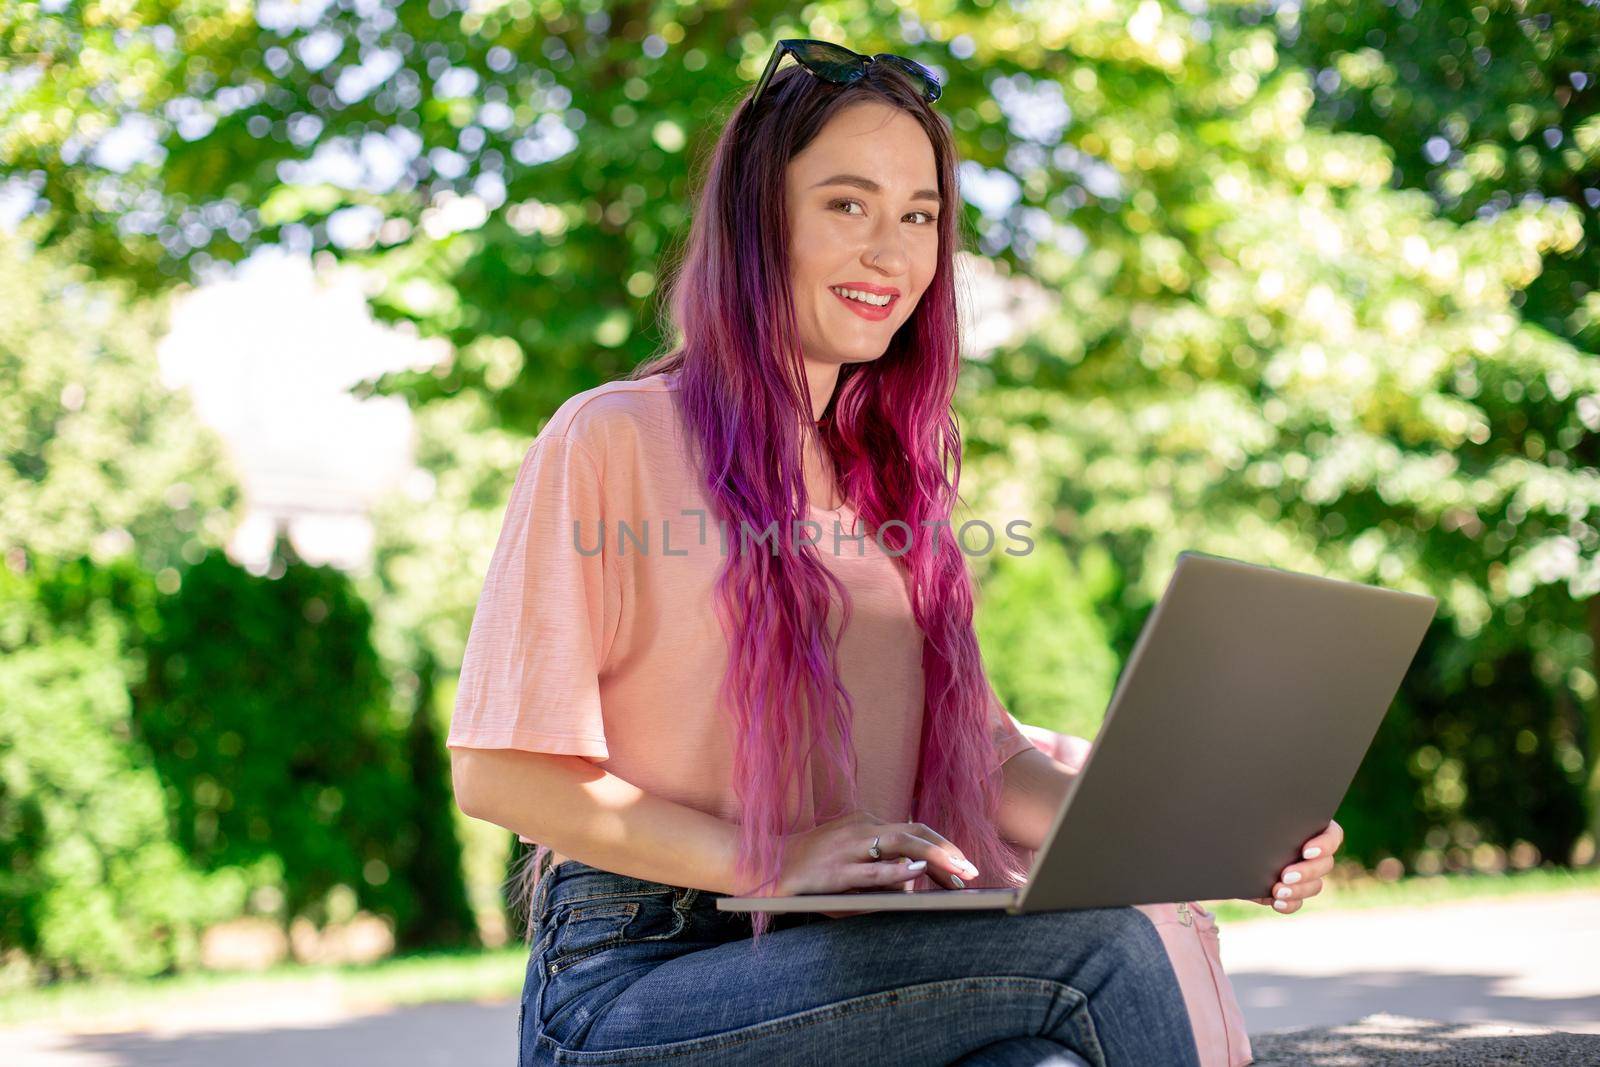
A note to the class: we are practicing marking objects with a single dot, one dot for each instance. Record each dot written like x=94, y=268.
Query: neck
x=821, y=380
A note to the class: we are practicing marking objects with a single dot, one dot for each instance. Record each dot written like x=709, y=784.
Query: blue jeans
x=624, y=970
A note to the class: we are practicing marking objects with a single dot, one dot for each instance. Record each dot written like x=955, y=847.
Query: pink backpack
x=1190, y=935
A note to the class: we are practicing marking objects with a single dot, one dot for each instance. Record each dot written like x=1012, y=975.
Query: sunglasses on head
x=837, y=64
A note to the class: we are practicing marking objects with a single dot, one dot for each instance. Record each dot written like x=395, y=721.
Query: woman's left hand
x=1304, y=879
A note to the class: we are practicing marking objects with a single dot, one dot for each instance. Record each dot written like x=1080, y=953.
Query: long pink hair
x=896, y=447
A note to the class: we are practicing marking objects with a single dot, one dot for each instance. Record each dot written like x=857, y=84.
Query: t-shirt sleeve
x=1008, y=738
x=543, y=624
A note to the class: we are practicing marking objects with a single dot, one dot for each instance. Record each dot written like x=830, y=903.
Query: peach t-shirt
x=612, y=651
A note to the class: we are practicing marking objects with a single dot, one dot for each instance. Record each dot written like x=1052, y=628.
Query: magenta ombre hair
x=894, y=441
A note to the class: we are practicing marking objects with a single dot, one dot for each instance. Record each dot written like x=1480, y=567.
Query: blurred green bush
x=265, y=710
x=92, y=879
x=172, y=760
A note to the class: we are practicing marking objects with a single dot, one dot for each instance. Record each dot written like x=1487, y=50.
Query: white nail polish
x=917, y=866
x=1283, y=894
x=1313, y=852
x=1281, y=905
x=1291, y=878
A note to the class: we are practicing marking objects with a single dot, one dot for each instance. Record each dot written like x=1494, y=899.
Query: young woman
x=725, y=646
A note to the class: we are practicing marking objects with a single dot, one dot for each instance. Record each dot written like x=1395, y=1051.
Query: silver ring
x=873, y=851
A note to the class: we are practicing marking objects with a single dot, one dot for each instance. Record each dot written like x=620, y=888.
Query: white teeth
x=865, y=298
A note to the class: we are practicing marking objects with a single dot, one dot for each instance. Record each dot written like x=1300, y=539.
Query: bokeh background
x=287, y=288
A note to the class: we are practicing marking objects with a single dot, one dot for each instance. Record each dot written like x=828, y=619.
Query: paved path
x=428, y=1035
x=1520, y=964
x=1532, y=960
x=1384, y=1040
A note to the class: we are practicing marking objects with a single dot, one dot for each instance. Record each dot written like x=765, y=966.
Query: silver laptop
x=1234, y=732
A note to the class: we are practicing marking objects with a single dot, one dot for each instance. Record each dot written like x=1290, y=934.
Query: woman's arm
x=1035, y=786
x=595, y=817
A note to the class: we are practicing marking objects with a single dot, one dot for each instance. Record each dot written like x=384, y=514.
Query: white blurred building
x=268, y=356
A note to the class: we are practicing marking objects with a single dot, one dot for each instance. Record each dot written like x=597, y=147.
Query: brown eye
x=932, y=218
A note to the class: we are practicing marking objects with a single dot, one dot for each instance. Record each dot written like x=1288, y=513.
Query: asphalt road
x=1531, y=960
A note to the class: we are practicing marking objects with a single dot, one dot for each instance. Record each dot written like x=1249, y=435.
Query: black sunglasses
x=837, y=64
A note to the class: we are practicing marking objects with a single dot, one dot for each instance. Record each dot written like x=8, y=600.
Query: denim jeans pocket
x=581, y=930
x=602, y=932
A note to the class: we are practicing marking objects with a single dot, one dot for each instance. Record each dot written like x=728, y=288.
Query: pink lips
x=868, y=311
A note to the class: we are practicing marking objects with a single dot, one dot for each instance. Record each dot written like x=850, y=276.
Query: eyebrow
x=873, y=187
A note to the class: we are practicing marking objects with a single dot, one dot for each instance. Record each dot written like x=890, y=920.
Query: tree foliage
x=265, y=707
x=97, y=456
x=92, y=880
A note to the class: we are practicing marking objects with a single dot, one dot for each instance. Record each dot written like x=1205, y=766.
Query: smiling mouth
x=873, y=312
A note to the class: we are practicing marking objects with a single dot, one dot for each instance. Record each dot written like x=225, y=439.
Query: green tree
x=97, y=457
x=1040, y=622
x=266, y=708
x=1485, y=106
x=92, y=882
x=1264, y=351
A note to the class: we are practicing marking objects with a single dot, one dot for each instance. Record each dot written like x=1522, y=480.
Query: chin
x=861, y=359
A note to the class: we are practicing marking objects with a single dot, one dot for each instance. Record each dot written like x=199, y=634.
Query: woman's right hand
x=832, y=858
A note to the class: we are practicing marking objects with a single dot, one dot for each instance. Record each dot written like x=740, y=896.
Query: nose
x=887, y=253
